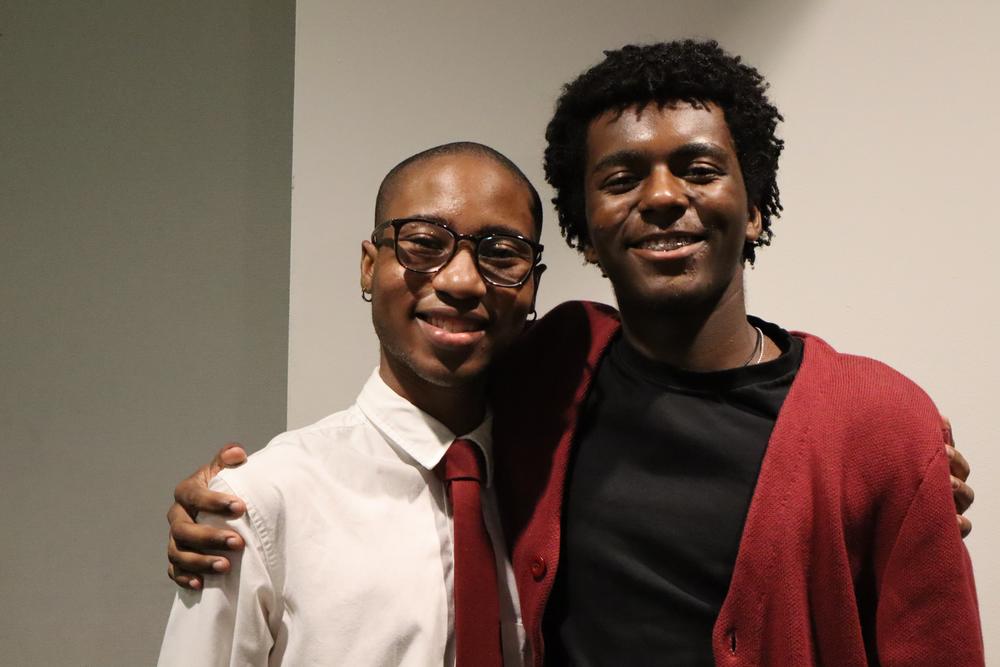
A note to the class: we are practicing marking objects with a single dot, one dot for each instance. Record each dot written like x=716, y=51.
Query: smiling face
x=442, y=329
x=666, y=207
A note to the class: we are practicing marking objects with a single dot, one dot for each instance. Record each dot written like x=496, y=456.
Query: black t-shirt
x=662, y=475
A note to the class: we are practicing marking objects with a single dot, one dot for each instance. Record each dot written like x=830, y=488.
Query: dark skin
x=437, y=331
x=668, y=216
x=440, y=371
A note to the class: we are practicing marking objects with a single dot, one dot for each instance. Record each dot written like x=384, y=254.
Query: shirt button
x=538, y=568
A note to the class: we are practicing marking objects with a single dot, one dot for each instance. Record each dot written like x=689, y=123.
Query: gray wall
x=145, y=167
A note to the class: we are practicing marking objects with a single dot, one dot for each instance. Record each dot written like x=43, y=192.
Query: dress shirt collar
x=422, y=437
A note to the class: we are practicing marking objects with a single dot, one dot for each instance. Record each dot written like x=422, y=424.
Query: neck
x=460, y=408
x=703, y=337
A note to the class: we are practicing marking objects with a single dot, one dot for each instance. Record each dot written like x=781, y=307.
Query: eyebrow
x=425, y=217
x=485, y=231
x=687, y=151
x=699, y=148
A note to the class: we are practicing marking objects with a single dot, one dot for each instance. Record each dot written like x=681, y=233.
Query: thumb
x=231, y=455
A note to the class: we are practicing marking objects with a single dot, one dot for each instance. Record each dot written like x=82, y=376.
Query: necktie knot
x=463, y=460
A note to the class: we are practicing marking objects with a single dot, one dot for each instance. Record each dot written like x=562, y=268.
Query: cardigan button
x=538, y=568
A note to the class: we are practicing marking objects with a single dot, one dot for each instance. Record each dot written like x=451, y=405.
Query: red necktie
x=477, y=604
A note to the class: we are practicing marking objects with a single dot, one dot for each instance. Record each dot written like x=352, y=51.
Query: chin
x=664, y=293
x=675, y=293
x=452, y=373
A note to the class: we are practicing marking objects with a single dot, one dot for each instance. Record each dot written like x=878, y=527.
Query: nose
x=663, y=192
x=459, y=277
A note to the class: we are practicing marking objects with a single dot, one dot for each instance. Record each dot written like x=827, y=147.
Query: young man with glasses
x=362, y=502
x=690, y=485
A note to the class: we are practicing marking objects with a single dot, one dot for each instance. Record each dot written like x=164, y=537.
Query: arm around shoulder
x=234, y=619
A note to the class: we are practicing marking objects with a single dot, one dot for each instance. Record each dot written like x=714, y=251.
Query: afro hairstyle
x=696, y=72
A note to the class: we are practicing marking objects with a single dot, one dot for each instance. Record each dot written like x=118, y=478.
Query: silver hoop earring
x=533, y=315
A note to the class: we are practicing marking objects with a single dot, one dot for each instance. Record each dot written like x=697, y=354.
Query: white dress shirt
x=349, y=550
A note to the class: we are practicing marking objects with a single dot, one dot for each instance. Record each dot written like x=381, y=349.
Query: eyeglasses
x=426, y=246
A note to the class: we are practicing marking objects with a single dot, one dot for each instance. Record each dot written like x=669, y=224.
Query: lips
x=671, y=242
x=667, y=246
x=451, y=331
x=452, y=324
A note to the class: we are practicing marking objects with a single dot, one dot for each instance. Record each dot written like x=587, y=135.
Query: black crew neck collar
x=659, y=373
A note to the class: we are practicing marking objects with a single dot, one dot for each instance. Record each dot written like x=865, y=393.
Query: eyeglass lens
x=502, y=260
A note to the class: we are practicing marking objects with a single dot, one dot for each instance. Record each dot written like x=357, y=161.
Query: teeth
x=672, y=243
x=452, y=324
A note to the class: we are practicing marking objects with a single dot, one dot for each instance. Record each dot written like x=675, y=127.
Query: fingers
x=185, y=580
x=231, y=455
x=187, y=543
x=177, y=514
x=960, y=469
x=962, y=493
x=964, y=526
x=189, y=564
x=959, y=466
x=187, y=540
x=194, y=496
x=202, y=538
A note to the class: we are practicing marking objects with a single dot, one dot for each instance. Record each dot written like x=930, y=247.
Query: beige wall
x=144, y=171
x=887, y=244
x=144, y=223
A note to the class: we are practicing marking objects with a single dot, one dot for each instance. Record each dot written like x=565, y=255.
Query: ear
x=368, y=254
x=590, y=255
x=537, y=280
x=754, y=225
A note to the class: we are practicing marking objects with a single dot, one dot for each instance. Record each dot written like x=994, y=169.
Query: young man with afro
x=688, y=484
x=699, y=485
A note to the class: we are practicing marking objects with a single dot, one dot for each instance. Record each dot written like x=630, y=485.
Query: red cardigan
x=849, y=555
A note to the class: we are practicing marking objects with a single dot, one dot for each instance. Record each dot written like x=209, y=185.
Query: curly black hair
x=697, y=72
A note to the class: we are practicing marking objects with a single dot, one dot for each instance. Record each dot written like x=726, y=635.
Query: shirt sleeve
x=927, y=611
x=234, y=619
